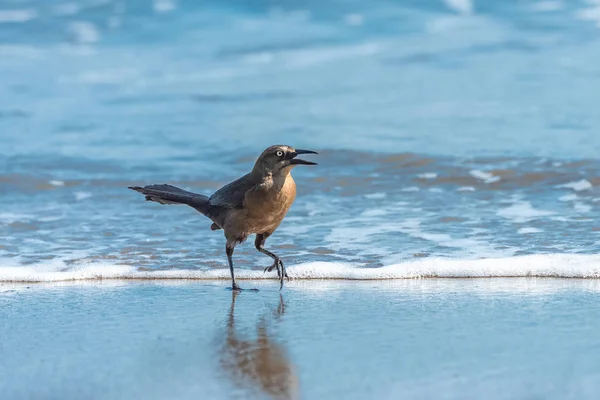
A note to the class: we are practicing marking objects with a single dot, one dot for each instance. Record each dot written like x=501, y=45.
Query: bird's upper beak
x=298, y=161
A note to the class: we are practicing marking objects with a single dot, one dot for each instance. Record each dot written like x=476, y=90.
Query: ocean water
x=446, y=131
x=456, y=139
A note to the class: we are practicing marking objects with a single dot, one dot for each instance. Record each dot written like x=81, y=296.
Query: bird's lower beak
x=298, y=161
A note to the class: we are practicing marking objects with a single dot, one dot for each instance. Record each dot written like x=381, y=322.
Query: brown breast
x=266, y=206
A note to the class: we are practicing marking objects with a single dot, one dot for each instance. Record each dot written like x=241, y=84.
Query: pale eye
x=279, y=153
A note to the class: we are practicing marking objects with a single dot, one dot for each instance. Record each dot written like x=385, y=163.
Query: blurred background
x=449, y=128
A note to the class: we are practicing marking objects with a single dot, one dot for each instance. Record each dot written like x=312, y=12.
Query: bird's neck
x=279, y=176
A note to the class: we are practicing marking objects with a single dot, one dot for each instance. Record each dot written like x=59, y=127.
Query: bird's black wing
x=232, y=195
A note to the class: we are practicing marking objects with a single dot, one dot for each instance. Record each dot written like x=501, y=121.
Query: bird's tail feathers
x=167, y=194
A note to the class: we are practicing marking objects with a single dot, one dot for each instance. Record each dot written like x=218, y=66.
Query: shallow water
x=431, y=339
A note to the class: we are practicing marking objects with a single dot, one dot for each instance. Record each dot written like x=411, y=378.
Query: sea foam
x=549, y=265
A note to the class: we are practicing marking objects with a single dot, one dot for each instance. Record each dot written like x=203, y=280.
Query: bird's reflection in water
x=256, y=362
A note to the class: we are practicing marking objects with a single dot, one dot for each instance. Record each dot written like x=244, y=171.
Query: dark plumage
x=253, y=204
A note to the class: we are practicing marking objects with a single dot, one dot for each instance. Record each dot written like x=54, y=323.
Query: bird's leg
x=277, y=263
x=229, y=250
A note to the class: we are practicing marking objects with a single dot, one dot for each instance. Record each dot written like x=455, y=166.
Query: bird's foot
x=272, y=267
x=281, y=272
x=284, y=273
x=278, y=265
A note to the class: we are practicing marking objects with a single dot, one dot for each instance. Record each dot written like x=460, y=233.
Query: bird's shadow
x=257, y=361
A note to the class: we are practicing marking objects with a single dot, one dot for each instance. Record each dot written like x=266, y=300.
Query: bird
x=255, y=204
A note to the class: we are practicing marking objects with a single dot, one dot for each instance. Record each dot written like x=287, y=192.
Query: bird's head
x=280, y=158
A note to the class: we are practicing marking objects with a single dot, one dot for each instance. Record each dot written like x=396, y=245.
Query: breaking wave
x=543, y=266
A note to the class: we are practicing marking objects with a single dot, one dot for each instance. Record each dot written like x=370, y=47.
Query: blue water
x=456, y=138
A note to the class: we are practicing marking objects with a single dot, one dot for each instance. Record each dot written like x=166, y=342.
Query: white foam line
x=486, y=177
x=428, y=175
x=543, y=266
x=577, y=186
x=522, y=211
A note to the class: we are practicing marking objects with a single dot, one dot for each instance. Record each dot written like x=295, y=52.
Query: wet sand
x=419, y=339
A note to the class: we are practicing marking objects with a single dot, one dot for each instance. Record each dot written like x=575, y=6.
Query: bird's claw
x=281, y=272
x=276, y=264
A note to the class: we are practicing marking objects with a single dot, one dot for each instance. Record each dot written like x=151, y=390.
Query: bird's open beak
x=298, y=161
